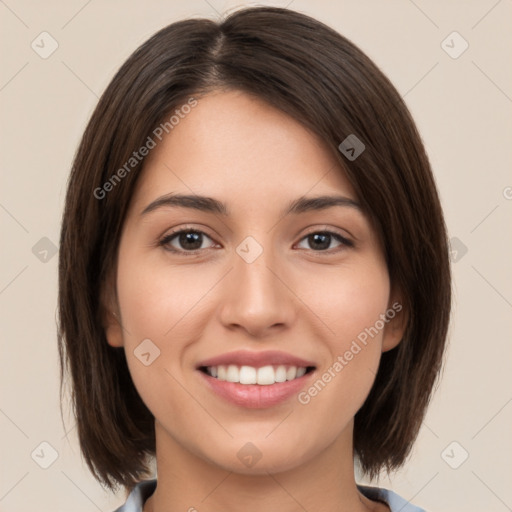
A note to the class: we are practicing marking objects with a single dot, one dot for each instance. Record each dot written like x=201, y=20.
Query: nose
x=257, y=298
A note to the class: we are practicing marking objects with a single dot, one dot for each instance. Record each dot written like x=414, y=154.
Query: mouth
x=262, y=376
x=256, y=380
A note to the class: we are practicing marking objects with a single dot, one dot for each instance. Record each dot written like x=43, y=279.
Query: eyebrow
x=211, y=205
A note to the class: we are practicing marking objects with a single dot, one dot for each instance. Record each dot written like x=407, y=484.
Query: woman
x=304, y=327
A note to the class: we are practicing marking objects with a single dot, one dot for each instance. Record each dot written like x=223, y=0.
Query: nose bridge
x=257, y=298
x=253, y=267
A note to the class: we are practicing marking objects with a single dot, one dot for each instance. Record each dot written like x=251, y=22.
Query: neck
x=187, y=482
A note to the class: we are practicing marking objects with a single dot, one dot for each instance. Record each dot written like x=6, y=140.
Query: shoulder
x=143, y=490
x=395, y=502
x=138, y=496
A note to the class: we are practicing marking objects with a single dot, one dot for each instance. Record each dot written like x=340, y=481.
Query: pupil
x=322, y=238
x=193, y=238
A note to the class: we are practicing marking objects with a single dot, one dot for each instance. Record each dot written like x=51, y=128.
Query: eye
x=319, y=241
x=190, y=241
x=185, y=240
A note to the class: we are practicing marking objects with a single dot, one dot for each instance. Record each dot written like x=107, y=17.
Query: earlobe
x=111, y=321
x=395, y=327
x=113, y=330
x=393, y=335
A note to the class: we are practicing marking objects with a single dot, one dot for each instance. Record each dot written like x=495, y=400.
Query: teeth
x=233, y=374
x=280, y=374
x=221, y=371
x=291, y=373
x=247, y=375
x=264, y=376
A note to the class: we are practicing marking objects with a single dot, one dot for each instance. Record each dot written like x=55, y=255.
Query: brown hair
x=314, y=74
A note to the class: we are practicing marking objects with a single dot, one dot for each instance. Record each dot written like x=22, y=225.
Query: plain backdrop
x=461, y=99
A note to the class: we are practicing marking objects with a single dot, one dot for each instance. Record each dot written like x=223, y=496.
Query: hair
x=312, y=73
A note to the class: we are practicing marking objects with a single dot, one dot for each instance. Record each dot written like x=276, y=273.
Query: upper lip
x=256, y=359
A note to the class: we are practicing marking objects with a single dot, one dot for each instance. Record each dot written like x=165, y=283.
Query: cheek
x=349, y=301
x=350, y=305
x=156, y=299
x=163, y=304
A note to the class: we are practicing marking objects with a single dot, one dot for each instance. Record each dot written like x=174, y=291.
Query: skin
x=297, y=296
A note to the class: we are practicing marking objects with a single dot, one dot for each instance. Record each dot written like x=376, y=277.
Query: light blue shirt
x=143, y=490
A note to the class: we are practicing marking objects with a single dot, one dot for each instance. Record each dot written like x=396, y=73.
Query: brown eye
x=320, y=241
x=185, y=240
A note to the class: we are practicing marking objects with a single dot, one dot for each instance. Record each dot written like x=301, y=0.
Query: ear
x=110, y=315
x=398, y=317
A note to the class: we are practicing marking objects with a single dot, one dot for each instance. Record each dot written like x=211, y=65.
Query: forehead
x=235, y=146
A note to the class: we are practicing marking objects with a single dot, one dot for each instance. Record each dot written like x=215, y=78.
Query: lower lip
x=254, y=396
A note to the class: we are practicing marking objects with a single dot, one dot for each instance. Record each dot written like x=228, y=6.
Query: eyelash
x=345, y=242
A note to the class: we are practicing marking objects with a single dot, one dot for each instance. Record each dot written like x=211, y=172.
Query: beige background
x=463, y=109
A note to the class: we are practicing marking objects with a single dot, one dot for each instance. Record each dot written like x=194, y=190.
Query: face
x=246, y=320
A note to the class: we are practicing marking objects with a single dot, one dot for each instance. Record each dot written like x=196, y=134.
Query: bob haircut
x=310, y=72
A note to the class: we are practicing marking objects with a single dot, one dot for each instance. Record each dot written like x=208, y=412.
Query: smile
x=263, y=376
x=256, y=379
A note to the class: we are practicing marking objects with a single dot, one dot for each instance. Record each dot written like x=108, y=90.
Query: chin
x=259, y=457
